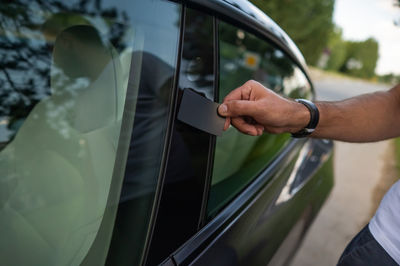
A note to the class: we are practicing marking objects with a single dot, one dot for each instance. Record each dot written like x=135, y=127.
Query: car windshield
x=84, y=89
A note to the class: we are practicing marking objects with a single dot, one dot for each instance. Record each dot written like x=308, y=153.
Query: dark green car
x=95, y=167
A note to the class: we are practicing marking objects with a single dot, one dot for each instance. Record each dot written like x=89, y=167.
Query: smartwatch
x=314, y=118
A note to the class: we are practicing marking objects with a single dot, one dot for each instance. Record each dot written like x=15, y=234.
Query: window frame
x=213, y=142
x=174, y=103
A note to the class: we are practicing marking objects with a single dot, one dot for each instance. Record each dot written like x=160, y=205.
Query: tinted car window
x=181, y=202
x=240, y=158
x=70, y=80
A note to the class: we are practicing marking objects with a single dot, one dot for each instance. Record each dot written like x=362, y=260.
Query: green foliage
x=307, y=22
x=390, y=79
x=337, y=48
x=353, y=58
x=361, y=58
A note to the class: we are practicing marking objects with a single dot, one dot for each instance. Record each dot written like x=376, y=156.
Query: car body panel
x=251, y=231
x=267, y=221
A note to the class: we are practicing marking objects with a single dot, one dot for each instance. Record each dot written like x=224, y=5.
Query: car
x=95, y=166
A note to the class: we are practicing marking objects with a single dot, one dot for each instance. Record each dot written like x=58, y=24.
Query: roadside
x=361, y=178
x=390, y=173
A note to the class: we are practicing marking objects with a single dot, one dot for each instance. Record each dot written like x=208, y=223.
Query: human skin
x=253, y=109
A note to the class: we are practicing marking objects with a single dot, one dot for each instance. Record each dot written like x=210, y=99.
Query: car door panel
x=264, y=217
x=254, y=235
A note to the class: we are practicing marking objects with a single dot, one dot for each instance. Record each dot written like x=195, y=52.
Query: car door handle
x=200, y=112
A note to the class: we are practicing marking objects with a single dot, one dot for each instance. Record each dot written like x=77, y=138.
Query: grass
x=338, y=74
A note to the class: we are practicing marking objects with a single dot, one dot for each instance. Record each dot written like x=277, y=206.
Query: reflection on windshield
x=68, y=98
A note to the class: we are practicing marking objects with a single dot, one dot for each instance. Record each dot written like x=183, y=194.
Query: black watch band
x=314, y=118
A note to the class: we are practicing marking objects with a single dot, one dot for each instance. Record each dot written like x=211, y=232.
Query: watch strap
x=314, y=119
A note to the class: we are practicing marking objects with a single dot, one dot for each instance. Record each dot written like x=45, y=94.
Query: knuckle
x=253, y=83
x=250, y=82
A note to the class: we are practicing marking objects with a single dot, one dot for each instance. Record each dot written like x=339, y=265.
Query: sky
x=361, y=19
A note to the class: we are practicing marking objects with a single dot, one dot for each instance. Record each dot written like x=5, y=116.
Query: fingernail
x=222, y=109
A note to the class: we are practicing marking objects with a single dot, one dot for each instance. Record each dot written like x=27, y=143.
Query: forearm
x=366, y=118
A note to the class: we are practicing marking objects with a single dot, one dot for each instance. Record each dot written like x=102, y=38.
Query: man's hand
x=252, y=109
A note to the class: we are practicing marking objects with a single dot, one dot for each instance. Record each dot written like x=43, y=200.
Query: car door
x=261, y=192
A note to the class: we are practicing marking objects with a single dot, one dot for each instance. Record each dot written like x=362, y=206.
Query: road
x=358, y=170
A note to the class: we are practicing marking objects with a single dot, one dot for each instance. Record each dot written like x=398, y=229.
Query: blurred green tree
x=361, y=58
x=307, y=22
x=337, y=48
x=390, y=79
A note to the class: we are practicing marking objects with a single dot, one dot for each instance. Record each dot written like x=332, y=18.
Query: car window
x=71, y=78
x=185, y=179
x=240, y=158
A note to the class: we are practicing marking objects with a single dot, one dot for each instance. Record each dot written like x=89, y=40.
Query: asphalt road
x=358, y=170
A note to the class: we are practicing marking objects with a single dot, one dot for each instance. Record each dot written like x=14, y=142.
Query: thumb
x=237, y=108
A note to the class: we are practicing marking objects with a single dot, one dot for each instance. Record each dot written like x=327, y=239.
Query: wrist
x=299, y=117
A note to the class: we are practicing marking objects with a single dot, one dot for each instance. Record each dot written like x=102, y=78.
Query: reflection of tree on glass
x=248, y=57
x=25, y=42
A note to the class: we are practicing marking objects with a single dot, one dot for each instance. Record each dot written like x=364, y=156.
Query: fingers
x=222, y=110
x=241, y=93
x=227, y=123
x=244, y=92
x=237, y=108
x=244, y=127
x=260, y=129
x=239, y=103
